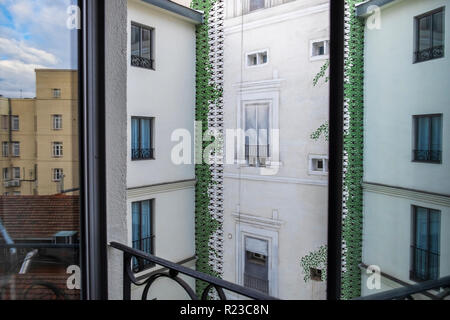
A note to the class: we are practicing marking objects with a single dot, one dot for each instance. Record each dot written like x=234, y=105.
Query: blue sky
x=33, y=34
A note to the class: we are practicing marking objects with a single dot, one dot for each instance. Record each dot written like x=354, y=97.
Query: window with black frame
x=430, y=36
x=143, y=236
x=141, y=138
x=142, y=42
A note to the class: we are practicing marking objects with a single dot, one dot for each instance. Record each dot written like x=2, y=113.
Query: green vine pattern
x=206, y=94
x=317, y=260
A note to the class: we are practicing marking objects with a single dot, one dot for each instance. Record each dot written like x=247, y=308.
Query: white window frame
x=57, y=119
x=14, y=171
x=55, y=176
x=56, y=93
x=257, y=52
x=259, y=92
x=311, y=170
x=15, y=147
x=14, y=122
x=5, y=149
x=324, y=56
x=58, y=149
x=246, y=229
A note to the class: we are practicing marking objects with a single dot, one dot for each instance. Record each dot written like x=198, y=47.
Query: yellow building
x=39, y=137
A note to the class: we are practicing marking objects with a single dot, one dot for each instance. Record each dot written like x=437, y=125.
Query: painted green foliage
x=323, y=129
x=206, y=94
x=317, y=260
x=353, y=146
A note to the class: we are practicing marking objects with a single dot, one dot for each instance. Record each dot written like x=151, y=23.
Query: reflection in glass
x=39, y=202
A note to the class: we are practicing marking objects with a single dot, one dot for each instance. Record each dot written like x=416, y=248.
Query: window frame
x=151, y=139
x=141, y=265
x=54, y=121
x=412, y=273
x=15, y=144
x=257, y=53
x=324, y=56
x=15, y=120
x=140, y=61
x=54, y=170
x=56, y=93
x=312, y=158
x=5, y=149
x=417, y=34
x=416, y=137
x=55, y=145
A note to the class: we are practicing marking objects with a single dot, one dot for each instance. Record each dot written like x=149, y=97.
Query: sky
x=33, y=34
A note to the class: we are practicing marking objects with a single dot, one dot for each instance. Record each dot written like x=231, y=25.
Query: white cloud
x=27, y=54
x=17, y=75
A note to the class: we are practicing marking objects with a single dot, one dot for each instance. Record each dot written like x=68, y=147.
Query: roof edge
x=191, y=14
x=362, y=9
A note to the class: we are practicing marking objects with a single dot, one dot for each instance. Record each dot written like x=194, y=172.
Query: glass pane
x=425, y=33
x=256, y=4
x=423, y=134
x=395, y=230
x=263, y=125
x=135, y=145
x=135, y=40
x=146, y=44
x=146, y=226
x=145, y=134
x=438, y=29
x=39, y=193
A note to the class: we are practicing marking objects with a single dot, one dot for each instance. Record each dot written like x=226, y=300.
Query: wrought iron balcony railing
x=430, y=53
x=141, y=62
x=425, y=264
x=142, y=154
x=146, y=245
x=174, y=270
x=257, y=155
x=256, y=283
x=441, y=288
x=428, y=155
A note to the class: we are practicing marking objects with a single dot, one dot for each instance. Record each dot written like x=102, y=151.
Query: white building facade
x=275, y=193
x=160, y=101
x=406, y=210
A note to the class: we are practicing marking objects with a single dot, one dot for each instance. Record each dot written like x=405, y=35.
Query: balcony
x=142, y=154
x=429, y=54
x=257, y=155
x=425, y=264
x=141, y=62
x=172, y=271
x=434, y=156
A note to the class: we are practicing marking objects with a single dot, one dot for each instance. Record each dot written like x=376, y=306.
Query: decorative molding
x=417, y=195
x=160, y=188
x=267, y=223
x=237, y=25
x=321, y=183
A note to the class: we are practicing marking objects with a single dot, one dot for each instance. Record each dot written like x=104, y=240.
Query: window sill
x=426, y=161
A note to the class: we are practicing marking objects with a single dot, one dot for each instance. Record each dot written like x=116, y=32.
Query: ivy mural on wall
x=353, y=152
x=317, y=260
x=208, y=104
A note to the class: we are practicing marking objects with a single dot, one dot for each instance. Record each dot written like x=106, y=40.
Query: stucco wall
x=116, y=142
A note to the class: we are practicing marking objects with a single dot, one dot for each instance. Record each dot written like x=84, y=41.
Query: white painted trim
x=310, y=165
x=243, y=230
x=136, y=193
x=266, y=223
x=416, y=195
x=251, y=177
x=326, y=50
x=256, y=52
x=237, y=25
x=259, y=92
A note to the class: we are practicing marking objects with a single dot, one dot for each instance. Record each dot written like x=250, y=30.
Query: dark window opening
x=426, y=244
x=142, y=46
x=430, y=36
x=143, y=237
x=141, y=138
x=428, y=138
